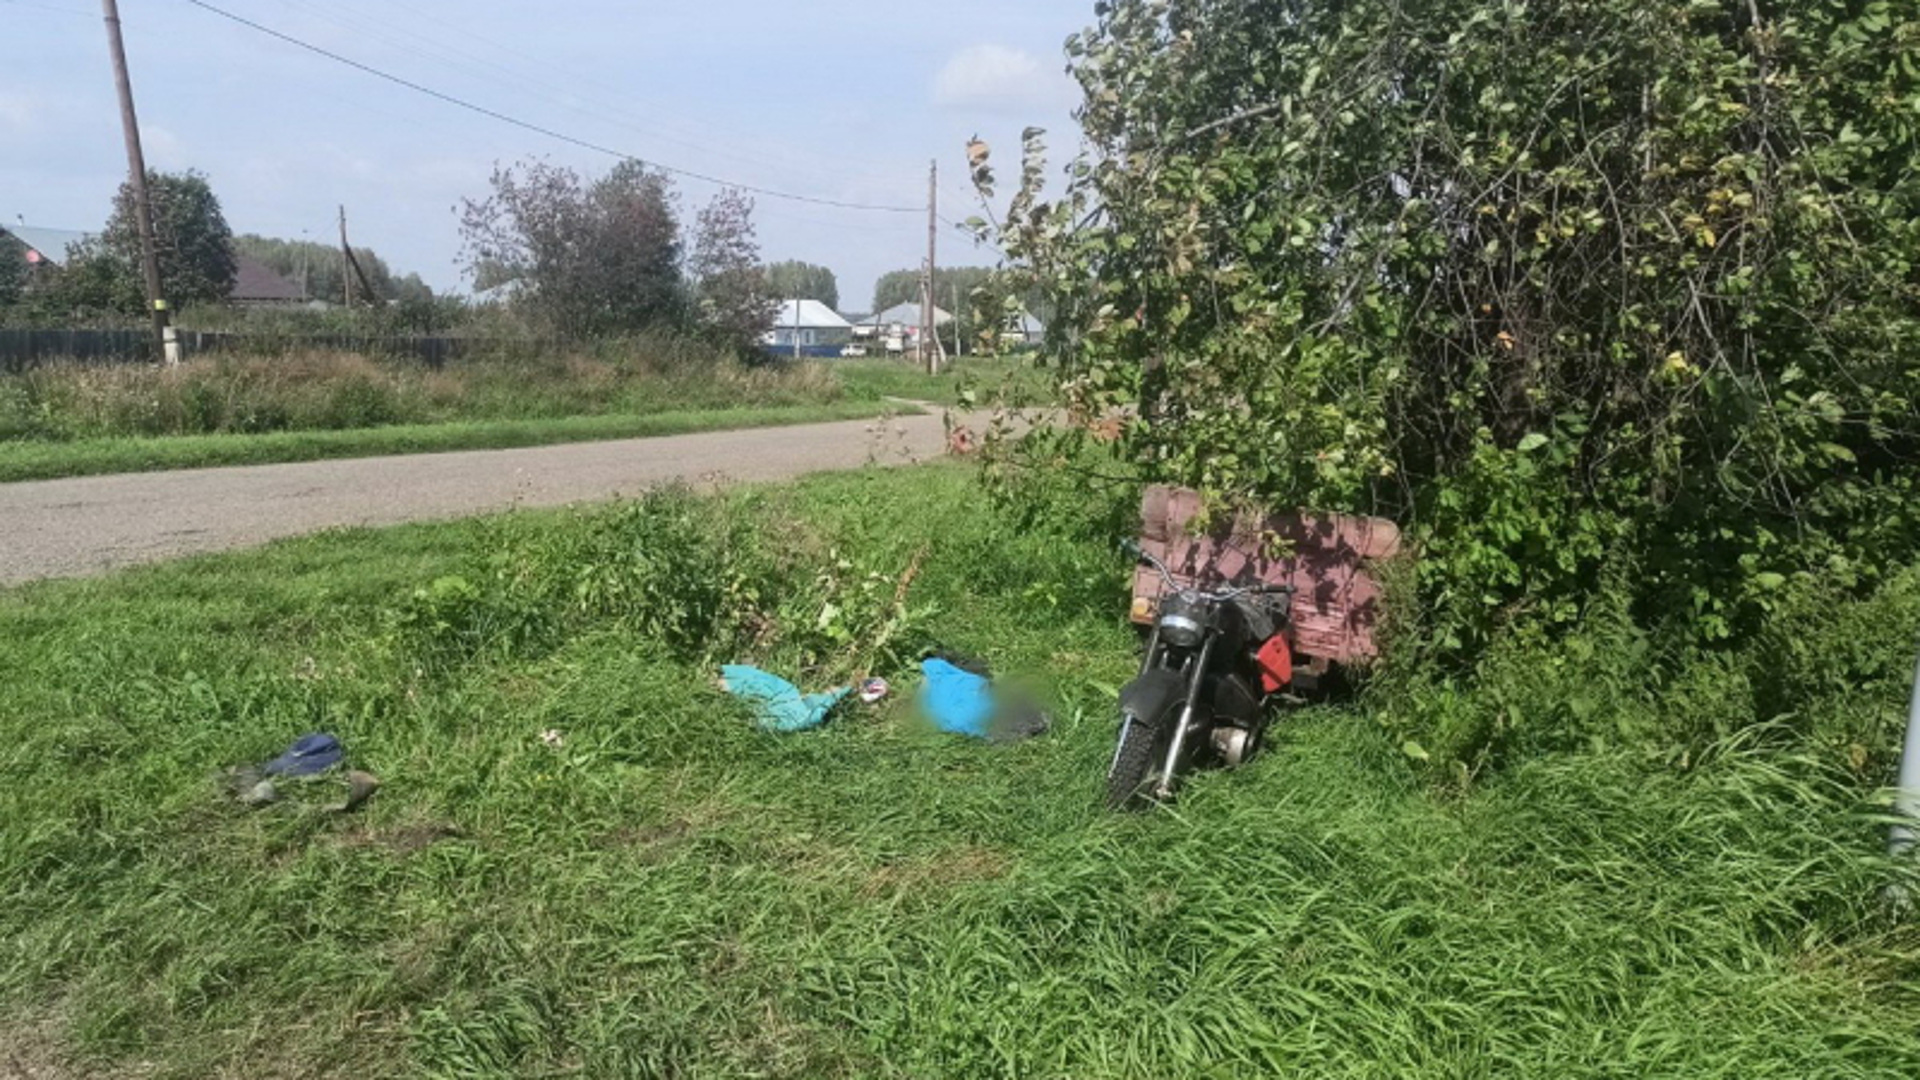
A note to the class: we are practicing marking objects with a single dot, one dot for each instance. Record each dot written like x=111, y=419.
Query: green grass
x=672, y=893
x=87, y=457
x=985, y=378
x=237, y=410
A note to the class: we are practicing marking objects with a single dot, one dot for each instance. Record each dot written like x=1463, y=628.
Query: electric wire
x=494, y=114
x=385, y=26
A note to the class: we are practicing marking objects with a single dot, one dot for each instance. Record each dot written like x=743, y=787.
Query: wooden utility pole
x=346, y=261
x=929, y=344
x=163, y=337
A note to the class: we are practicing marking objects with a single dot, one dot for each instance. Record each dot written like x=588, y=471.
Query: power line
x=610, y=111
x=538, y=129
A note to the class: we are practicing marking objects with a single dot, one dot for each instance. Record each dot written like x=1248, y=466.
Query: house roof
x=811, y=315
x=255, y=280
x=905, y=315
x=50, y=244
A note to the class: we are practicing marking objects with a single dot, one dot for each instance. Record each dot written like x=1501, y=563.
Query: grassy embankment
x=669, y=892
x=69, y=421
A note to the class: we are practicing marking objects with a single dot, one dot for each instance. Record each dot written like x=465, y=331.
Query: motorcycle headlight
x=1182, y=624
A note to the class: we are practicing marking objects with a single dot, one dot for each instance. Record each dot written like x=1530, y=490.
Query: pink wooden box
x=1330, y=562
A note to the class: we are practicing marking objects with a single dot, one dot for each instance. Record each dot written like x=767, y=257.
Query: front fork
x=1126, y=722
x=1163, y=788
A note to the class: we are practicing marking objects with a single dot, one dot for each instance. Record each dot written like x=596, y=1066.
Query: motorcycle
x=1213, y=659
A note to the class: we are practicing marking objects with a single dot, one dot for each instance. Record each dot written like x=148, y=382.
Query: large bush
x=1564, y=286
x=590, y=257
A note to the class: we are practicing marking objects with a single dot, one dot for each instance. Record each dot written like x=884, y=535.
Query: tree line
x=101, y=276
x=318, y=268
x=586, y=257
x=561, y=253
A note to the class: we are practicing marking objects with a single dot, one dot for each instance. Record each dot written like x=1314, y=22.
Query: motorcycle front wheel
x=1133, y=760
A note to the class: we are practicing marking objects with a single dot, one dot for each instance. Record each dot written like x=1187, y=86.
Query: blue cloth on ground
x=309, y=754
x=956, y=700
x=778, y=705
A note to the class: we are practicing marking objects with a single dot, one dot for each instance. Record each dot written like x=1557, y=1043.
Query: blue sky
x=840, y=99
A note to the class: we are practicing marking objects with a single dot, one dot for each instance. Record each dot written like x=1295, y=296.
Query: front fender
x=1154, y=695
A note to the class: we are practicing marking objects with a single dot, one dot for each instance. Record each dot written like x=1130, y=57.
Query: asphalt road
x=93, y=524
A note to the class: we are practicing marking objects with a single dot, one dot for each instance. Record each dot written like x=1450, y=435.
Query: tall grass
x=671, y=893
x=308, y=390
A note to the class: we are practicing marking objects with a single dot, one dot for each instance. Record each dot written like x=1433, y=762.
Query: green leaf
x=1769, y=580
x=1533, y=441
x=1415, y=751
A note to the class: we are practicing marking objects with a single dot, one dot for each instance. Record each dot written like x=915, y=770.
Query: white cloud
x=998, y=77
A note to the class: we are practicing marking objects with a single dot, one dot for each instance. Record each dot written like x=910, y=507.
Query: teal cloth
x=777, y=704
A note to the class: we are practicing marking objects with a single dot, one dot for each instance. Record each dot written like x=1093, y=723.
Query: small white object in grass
x=873, y=690
x=553, y=738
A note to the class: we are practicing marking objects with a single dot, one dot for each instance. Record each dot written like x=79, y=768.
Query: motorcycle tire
x=1132, y=762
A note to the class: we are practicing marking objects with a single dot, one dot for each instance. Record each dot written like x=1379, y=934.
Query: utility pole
x=796, y=328
x=346, y=261
x=169, y=347
x=928, y=343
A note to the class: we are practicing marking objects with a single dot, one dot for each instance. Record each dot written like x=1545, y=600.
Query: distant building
x=816, y=329
x=898, y=327
x=904, y=317
x=46, y=247
x=1023, y=331
x=255, y=284
x=504, y=294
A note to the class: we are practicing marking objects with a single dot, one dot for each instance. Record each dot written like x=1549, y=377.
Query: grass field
x=92, y=457
x=670, y=893
x=984, y=379
x=247, y=411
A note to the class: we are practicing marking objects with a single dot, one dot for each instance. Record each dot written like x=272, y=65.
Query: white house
x=810, y=323
x=899, y=326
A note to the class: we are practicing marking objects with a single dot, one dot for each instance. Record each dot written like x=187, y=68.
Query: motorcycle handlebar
x=1132, y=547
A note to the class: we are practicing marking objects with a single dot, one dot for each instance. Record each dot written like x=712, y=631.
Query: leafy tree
x=194, y=244
x=13, y=270
x=730, y=286
x=794, y=280
x=1562, y=286
x=421, y=312
x=412, y=288
x=593, y=257
x=319, y=267
x=92, y=281
x=903, y=286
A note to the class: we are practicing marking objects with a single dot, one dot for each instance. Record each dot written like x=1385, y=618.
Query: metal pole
x=1906, y=801
x=927, y=342
x=169, y=348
